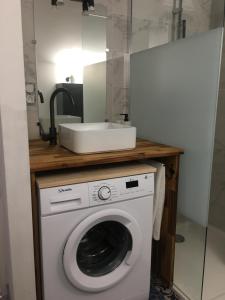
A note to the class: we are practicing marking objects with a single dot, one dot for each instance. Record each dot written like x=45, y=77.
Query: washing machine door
x=102, y=250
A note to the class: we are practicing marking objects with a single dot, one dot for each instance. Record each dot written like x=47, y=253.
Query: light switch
x=30, y=93
x=30, y=88
x=30, y=99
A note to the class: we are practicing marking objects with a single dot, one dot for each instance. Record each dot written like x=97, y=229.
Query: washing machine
x=96, y=233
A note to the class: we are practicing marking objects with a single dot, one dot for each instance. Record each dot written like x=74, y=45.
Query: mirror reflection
x=71, y=55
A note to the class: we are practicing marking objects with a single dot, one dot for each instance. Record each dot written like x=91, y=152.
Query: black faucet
x=52, y=135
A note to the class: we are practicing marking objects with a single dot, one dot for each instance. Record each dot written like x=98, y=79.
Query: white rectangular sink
x=97, y=137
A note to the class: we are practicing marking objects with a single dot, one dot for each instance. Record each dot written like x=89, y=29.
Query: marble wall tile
x=197, y=15
x=217, y=14
x=155, y=32
x=159, y=13
x=118, y=7
x=117, y=34
x=30, y=62
x=118, y=43
x=140, y=34
x=117, y=87
x=118, y=71
x=151, y=19
x=118, y=98
x=114, y=7
x=28, y=40
x=32, y=119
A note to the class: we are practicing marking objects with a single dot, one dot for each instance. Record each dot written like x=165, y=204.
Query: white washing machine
x=96, y=236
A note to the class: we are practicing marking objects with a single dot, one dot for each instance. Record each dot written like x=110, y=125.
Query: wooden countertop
x=44, y=157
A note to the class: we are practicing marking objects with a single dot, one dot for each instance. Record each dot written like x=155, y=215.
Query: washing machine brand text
x=64, y=190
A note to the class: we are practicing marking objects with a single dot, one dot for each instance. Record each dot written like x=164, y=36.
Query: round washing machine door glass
x=102, y=250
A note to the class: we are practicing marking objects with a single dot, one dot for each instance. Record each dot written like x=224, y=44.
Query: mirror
x=71, y=53
x=80, y=45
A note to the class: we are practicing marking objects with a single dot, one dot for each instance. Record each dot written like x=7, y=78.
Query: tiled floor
x=158, y=292
x=214, y=282
x=189, y=262
x=189, y=259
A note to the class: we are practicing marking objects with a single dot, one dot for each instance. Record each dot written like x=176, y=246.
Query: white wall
x=14, y=168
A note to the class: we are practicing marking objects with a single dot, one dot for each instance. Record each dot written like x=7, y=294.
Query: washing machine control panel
x=104, y=193
x=64, y=198
x=120, y=189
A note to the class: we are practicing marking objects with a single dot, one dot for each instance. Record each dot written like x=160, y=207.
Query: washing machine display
x=131, y=184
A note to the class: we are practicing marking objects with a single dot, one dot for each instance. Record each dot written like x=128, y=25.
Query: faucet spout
x=52, y=136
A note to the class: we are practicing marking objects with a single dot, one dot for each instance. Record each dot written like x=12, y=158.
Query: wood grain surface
x=93, y=173
x=44, y=157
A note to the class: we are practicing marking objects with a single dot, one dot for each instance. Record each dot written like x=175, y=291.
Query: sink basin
x=97, y=137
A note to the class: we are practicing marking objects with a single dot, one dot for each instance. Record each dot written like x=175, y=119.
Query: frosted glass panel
x=173, y=100
x=174, y=91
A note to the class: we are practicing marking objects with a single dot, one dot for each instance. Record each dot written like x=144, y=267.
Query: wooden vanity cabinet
x=45, y=158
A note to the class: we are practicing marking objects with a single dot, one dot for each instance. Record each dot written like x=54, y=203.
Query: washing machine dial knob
x=104, y=193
